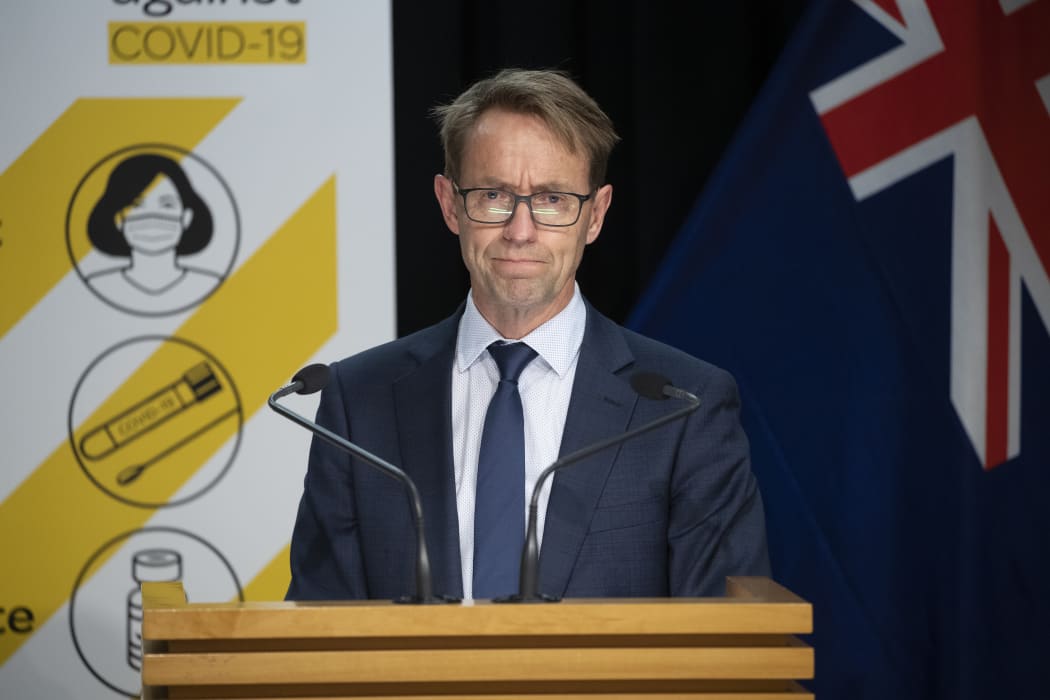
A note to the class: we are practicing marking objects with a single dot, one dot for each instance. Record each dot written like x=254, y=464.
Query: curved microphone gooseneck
x=313, y=378
x=648, y=385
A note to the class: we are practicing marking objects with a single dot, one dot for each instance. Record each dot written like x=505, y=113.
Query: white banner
x=196, y=199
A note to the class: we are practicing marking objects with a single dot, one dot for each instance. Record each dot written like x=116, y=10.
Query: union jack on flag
x=970, y=80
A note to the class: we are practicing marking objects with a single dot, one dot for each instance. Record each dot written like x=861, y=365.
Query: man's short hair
x=569, y=112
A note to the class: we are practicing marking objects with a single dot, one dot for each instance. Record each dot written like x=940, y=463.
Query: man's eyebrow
x=554, y=187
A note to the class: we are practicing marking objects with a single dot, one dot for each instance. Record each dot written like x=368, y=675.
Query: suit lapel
x=601, y=405
x=423, y=415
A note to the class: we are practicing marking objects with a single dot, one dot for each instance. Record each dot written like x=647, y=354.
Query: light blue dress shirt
x=545, y=386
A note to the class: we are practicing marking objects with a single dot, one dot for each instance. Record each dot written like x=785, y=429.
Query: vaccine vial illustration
x=147, y=565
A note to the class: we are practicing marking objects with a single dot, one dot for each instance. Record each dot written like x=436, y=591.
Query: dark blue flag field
x=871, y=260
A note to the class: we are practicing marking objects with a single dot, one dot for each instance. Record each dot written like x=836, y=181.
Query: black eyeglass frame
x=527, y=198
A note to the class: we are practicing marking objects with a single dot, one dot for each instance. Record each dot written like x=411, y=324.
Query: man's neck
x=516, y=322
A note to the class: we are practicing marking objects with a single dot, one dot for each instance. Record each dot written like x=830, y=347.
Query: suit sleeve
x=717, y=523
x=326, y=559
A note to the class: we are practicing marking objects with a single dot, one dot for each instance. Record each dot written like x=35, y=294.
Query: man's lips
x=517, y=263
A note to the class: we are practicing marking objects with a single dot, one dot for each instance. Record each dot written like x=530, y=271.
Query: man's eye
x=493, y=194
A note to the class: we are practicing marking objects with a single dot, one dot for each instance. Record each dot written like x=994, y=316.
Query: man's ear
x=602, y=200
x=446, y=197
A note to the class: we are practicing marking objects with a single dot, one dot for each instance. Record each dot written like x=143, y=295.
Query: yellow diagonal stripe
x=56, y=519
x=272, y=582
x=36, y=190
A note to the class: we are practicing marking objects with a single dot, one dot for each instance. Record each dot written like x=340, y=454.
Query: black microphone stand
x=424, y=590
x=529, y=576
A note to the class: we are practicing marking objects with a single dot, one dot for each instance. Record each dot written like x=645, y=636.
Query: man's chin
x=526, y=296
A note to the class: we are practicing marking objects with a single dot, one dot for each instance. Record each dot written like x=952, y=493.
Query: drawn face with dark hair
x=155, y=220
x=147, y=202
x=151, y=215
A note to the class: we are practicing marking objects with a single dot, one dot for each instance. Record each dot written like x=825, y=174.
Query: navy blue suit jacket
x=672, y=512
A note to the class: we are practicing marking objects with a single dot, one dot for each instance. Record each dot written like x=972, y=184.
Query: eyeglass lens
x=497, y=206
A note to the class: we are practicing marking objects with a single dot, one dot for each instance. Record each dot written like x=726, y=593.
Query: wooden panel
x=648, y=690
x=377, y=619
x=759, y=587
x=203, y=646
x=733, y=648
x=479, y=665
x=164, y=594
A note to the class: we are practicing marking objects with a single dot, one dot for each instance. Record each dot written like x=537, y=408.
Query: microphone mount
x=313, y=378
x=648, y=385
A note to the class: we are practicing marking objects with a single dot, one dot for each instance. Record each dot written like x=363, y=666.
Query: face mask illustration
x=153, y=232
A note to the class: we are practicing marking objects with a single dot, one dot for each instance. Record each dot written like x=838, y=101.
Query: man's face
x=518, y=268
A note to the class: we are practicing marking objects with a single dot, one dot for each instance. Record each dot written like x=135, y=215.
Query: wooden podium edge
x=226, y=649
x=753, y=605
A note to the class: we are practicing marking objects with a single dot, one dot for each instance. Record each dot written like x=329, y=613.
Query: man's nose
x=520, y=226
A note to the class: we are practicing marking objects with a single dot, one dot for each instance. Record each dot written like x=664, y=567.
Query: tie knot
x=511, y=358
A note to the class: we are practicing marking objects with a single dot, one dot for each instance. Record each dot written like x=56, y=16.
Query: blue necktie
x=499, y=502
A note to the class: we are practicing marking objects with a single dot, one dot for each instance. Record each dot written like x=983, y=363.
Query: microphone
x=313, y=378
x=648, y=385
x=309, y=380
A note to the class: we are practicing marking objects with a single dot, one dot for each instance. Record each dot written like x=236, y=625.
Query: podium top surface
x=752, y=605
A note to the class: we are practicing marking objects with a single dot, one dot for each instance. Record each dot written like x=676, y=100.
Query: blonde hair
x=570, y=113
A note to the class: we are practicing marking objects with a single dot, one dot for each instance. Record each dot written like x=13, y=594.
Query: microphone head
x=650, y=384
x=313, y=377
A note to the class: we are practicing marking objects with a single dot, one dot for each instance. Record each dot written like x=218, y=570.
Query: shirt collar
x=557, y=341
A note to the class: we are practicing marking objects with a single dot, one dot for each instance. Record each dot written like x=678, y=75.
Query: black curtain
x=675, y=77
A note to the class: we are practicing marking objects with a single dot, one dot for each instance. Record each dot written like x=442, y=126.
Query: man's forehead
x=501, y=143
x=495, y=121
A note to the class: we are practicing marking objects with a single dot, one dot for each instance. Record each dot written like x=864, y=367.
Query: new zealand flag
x=871, y=261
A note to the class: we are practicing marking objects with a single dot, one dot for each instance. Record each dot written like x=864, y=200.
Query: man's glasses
x=490, y=206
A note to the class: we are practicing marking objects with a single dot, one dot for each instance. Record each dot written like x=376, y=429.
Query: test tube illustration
x=195, y=385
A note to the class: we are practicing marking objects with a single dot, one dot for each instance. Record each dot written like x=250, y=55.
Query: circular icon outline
x=165, y=504
x=107, y=545
x=218, y=178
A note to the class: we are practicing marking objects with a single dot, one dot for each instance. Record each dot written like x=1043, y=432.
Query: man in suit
x=672, y=512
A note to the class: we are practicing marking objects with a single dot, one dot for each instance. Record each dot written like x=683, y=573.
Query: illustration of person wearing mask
x=151, y=215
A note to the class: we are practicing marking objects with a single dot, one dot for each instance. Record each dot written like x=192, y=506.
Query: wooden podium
x=740, y=646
